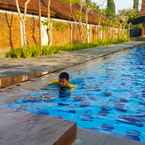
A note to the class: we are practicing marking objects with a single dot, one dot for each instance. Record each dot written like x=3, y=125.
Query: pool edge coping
x=8, y=80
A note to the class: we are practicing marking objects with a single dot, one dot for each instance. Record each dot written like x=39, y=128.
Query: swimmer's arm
x=54, y=82
x=71, y=86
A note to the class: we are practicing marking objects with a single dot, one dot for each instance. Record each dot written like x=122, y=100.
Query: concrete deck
x=13, y=71
x=19, y=128
x=86, y=137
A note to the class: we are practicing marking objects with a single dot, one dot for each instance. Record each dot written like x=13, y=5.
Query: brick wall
x=9, y=31
x=32, y=30
x=60, y=33
x=10, y=36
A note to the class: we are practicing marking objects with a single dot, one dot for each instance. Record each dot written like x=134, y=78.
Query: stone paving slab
x=13, y=71
x=21, y=128
x=87, y=137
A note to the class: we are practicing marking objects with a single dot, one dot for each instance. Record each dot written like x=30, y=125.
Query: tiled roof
x=143, y=8
x=59, y=9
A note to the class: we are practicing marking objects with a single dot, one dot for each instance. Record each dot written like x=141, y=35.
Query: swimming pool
x=109, y=97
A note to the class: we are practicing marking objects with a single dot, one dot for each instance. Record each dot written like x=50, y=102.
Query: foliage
x=136, y=5
x=71, y=1
x=50, y=50
x=87, y=4
x=78, y=14
x=128, y=14
x=138, y=26
x=24, y=52
x=110, y=11
x=92, y=5
x=15, y=53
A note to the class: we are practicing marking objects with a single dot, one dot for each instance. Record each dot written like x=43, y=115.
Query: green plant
x=36, y=51
x=24, y=52
x=136, y=5
x=14, y=53
x=110, y=11
x=47, y=50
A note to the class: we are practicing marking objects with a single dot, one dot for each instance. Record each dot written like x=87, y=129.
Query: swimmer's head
x=63, y=79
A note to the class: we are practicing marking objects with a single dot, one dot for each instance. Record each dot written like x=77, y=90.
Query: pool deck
x=13, y=71
x=21, y=128
x=87, y=137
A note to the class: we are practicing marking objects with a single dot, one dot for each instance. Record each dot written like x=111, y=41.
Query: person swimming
x=63, y=81
x=64, y=85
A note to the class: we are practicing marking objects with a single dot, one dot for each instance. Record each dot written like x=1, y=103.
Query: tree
x=71, y=25
x=49, y=24
x=22, y=18
x=71, y=2
x=10, y=21
x=128, y=14
x=81, y=18
x=39, y=7
x=88, y=6
x=136, y=5
x=110, y=11
x=125, y=16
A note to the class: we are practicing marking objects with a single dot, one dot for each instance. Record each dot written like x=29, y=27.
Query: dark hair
x=64, y=75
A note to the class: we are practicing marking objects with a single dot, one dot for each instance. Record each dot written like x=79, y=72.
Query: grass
x=46, y=50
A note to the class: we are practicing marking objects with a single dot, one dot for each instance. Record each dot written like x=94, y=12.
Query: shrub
x=15, y=53
x=46, y=50
x=24, y=52
x=35, y=51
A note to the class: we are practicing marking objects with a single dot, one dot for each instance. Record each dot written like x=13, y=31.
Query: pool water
x=109, y=96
